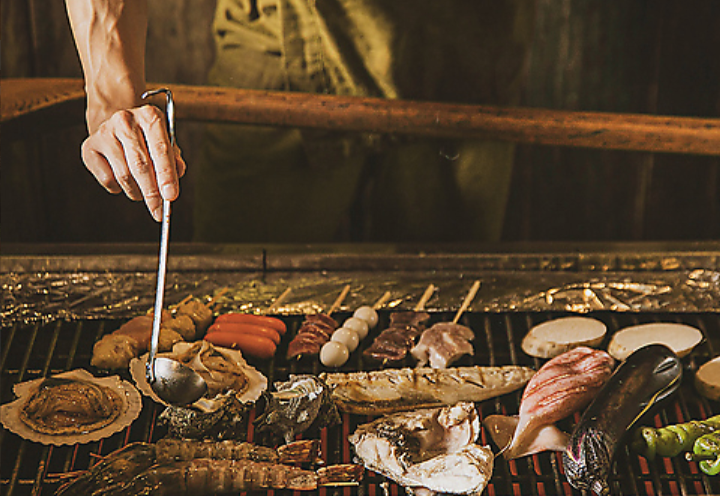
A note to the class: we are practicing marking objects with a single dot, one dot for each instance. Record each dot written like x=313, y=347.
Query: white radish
x=554, y=337
x=707, y=379
x=680, y=338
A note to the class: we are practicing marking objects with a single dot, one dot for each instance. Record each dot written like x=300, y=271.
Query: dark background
x=636, y=56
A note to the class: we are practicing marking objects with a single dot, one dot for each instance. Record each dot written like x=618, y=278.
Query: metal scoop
x=173, y=382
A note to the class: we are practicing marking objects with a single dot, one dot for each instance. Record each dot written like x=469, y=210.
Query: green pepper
x=706, y=450
x=672, y=440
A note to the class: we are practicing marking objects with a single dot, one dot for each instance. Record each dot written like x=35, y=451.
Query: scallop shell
x=130, y=409
x=258, y=382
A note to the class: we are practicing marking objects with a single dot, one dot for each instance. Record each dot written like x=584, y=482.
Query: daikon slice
x=680, y=338
x=551, y=338
x=707, y=379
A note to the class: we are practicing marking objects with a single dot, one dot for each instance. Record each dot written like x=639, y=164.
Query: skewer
x=338, y=301
x=383, y=299
x=215, y=297
x=466, y=303
x=425, y=298
x=278, y=301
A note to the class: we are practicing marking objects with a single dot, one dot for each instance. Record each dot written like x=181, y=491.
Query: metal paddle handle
x=164, y=238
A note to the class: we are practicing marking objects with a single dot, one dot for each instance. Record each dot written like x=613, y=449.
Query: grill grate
x=43, y=350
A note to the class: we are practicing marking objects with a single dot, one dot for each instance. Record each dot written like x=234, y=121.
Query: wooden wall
x=647, y=56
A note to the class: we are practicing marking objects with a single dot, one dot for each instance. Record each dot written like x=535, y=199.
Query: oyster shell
x=72, y=407
x=225, y=371
x=296, y=405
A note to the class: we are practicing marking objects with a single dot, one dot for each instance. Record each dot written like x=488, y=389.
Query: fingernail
x=169, y=192
x=157, y=214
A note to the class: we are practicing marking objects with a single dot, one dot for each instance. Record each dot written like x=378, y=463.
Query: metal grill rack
x=29, y=352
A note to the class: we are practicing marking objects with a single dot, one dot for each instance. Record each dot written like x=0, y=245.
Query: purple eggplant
x=645, y=379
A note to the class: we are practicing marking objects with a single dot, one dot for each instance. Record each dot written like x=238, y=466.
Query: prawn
x=204, y=476
x=124, y=464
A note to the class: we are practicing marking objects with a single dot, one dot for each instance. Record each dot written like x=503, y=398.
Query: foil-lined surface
x=29, y=297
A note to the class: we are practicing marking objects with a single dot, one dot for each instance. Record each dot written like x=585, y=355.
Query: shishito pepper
x=671, y=440
x=706, y=450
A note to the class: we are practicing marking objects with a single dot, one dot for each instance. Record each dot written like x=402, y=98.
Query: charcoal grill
x=42, y=348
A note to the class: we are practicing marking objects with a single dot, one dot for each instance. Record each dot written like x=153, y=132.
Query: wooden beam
x=610, y=131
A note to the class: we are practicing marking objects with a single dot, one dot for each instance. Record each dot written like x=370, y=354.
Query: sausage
x=248, y=318
x=250, y=344
x=257, y=330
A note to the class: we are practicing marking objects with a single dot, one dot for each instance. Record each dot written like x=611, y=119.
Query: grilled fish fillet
x=395, y=390
x=428, y=450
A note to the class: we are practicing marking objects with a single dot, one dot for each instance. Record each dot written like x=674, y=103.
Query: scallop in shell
x=225, y=371
x=72, y=407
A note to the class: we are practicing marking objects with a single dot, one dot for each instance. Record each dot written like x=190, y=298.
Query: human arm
x=128, y=148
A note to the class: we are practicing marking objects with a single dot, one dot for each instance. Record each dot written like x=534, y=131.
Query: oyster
x=226, y=422
x=296, y=405
x=72, y=407
x=225, y=371
x=427, y=451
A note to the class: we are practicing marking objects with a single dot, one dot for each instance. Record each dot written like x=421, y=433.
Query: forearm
x=110, y=38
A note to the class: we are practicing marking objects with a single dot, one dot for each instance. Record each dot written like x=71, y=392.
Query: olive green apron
x=262, y=184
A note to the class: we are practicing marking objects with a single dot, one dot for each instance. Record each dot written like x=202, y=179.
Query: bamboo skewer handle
x=610, y=131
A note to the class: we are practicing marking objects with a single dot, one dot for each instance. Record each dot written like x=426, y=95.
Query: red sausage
x=248, y=318
x=249, y=344
x=257, y=330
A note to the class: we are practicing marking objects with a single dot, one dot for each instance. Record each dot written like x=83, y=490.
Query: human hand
x=131, y=152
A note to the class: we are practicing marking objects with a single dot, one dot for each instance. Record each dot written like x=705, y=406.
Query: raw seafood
x=70, y=406
x=123, y=465
x=442, y=344
x=393, y=343
x=393, y=390
x=296, y=405
x=647, y=377
x=564, y=385
x=427, y=450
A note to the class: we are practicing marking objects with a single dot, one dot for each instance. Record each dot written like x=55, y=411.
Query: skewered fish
x=565, y=384
x=393, y=390
x=442, y=344
x=427, y=450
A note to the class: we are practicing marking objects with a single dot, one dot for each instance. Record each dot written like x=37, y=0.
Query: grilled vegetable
x=707, y=379
x=672, y=440
x=647, y=377
x=706, y=450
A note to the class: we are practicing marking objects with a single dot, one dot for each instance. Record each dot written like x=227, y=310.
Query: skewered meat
x=442, y=344
x=62, y=406
x=314, y=332
x=427, y=450
x=393, y=390
x=564, y=385
x=393, y=343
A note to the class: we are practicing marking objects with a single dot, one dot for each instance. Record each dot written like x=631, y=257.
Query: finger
x=180, y=165
x=104, y=158
x=161, y=152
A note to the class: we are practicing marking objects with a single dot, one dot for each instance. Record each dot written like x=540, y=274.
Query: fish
x=563, y=385
x=427, y=451
x=442, y=344
x=387, y=391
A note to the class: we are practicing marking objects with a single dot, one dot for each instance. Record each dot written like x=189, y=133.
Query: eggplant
x=645, y=379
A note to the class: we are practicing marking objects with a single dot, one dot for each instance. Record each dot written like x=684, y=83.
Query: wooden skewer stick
x=214, y=299
x=466, y=303
x=279, y=300
x=383, y=299
x=425, y=298
x=339, y=300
